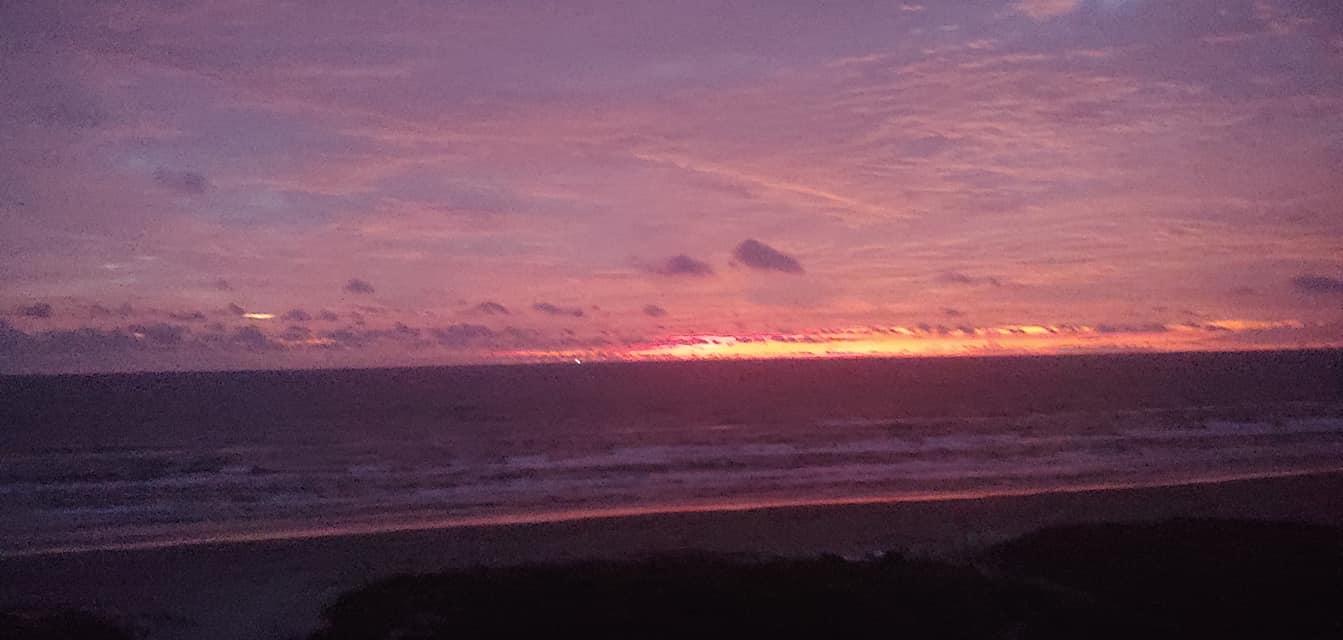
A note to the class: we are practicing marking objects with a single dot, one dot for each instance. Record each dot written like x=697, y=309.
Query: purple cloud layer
x=1017, y=161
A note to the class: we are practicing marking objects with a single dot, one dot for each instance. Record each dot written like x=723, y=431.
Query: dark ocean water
x=92, y=461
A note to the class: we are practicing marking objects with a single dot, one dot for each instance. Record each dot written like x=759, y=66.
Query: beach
x=277, y=588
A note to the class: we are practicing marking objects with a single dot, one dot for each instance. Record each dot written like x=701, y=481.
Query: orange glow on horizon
x=926, y=341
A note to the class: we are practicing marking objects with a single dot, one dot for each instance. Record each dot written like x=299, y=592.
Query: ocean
x=129, y=460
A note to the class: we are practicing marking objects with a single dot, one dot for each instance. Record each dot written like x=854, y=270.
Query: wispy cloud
x=1045, y=9
x=185, y=182
x=1018, y=167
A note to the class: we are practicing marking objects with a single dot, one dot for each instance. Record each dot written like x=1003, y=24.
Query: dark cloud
x=491, y=308
x=654, y=311
x=352, y=337
x=221, y=285
x=327, y=316
x=934, y=329
x=522, y=336
x=345, y=337
x=1316, y=284
x=84, y=341
x=552, y=310
x=681, y=265
x=187, y=182
x=296, y=333
x=236, y=310
x=250, y=337
x=355, y=285
x=23, y=350
x=460, y=335
x=160, y=334
x=1151, y=327
x=296, y=315
x=956, y=277
x=187, y=316
x=9, y=336
x=952, y=313
x=36, y=310
x=400, y=330
x=758, y=255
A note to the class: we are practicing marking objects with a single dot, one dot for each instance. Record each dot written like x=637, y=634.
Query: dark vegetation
x=1184, y=578
x=1208, y=578
x=63, y=625
x=1177, y=579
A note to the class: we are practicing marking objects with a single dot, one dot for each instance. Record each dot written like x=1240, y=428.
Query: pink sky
x=232, y=183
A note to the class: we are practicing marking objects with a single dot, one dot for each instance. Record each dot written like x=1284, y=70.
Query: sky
x=232, y=184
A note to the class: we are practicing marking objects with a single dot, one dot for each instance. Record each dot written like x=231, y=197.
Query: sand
x=276, y=589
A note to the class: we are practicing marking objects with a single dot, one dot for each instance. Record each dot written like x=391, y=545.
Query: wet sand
x=276, y=589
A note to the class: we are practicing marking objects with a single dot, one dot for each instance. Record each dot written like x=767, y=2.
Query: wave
x=111, y=494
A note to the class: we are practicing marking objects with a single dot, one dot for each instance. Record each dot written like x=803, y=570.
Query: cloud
x=681, y=265
x=161, y=334
x=758, y=255
x=956, y=277
x=1150, y=327
x=460, y=335
x=84, y=343
x=350, y=337
x=36, y=310
x=235, y=309
x=1046, y=9
x=345, y=337
x=250, y=337
x=552, y=310
x=355, y=285
x=296, y=315
x=221, y=285
x=491, y=308
x=952, y=313
x=327, y=316
x=1316, y=284
x=187, y=182
x=187, y=316
x=654, y=311
x=296, y=333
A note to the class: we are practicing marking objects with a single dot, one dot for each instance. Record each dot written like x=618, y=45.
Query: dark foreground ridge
x=64, y=625
x=1179, y=578
x=1199, y=578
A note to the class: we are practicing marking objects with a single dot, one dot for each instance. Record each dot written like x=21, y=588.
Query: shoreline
x=277, y=589
x=617, y=513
